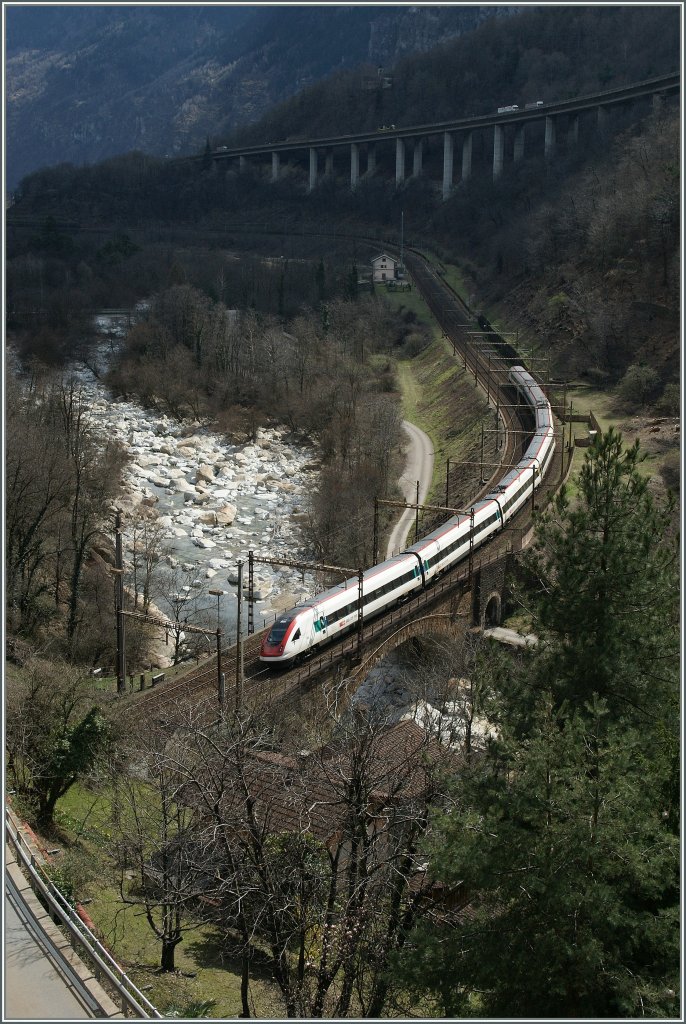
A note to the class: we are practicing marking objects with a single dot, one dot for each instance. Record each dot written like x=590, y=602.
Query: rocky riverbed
x=215, y=501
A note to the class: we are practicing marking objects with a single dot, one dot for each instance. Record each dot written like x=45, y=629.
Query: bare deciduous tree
x=156, y=837
x=310, y=855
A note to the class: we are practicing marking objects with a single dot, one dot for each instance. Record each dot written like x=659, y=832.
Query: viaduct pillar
x=354, y=164
x=467, y=156
x=549, y=138
x=313, y=169
x=275, y=166
x=519, y=143
x=417, y=157
x=399, y=161
x=573, y=131
x=328, y=166
x=602, y=120
x=371, y=159
x=498, y=150
x=447, y=164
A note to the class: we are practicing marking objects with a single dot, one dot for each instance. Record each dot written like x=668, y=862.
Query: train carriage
x=329, y=614
x=315, y=622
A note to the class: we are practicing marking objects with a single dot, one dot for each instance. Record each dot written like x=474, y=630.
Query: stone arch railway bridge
x=469, y=595
x=508, y=129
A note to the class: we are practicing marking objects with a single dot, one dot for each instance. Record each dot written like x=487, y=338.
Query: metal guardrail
x=80, y=987
x=105, y=968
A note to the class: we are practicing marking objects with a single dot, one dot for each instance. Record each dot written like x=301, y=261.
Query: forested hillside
x=481, y=832
x=574, y=248
x=545, y=53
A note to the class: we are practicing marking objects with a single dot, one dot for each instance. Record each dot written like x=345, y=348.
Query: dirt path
x=419, y=466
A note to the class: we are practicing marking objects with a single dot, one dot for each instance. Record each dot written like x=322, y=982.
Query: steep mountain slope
x=538, y=53
x=582, y=251
x=85, y=83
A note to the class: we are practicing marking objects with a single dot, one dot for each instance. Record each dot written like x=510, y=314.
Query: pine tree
x=560, y=841
x=564, y=838
x=607, y=608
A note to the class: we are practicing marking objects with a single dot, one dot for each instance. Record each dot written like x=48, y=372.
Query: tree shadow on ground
x=217, y=950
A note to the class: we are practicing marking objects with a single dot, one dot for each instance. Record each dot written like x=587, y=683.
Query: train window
x=296, y=635
x=389, y=587
x=278, y=630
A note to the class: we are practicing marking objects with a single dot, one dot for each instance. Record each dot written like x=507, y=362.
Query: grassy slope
x=204, y=970
x=434, y=385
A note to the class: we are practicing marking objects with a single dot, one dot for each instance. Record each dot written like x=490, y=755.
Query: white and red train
x=310, y=625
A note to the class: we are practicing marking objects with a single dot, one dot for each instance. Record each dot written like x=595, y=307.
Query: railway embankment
x=440, y=398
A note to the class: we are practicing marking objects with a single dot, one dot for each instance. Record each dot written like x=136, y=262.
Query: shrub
x=671, y=471
x=669, y=403
x=639, y=385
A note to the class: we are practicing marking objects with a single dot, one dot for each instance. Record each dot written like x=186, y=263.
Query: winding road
x=419, y=467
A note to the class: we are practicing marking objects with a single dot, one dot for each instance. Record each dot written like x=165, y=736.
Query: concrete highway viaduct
x=507, y=130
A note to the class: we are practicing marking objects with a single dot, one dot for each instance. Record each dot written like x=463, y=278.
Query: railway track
x=456, y=320
x=489, y=367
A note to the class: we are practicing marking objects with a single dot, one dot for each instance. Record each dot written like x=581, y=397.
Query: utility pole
x=360, y=612
x=251, y=592
x=416, y=517
x=481, y=466
x=239, y=641
x=220, y=674
x=119, y=604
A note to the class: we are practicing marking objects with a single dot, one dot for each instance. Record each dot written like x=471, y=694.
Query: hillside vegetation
x=292, y=859
x=544, y=53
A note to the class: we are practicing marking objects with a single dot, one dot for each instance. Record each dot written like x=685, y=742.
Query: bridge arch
x=439, y=624
x=493, y=611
